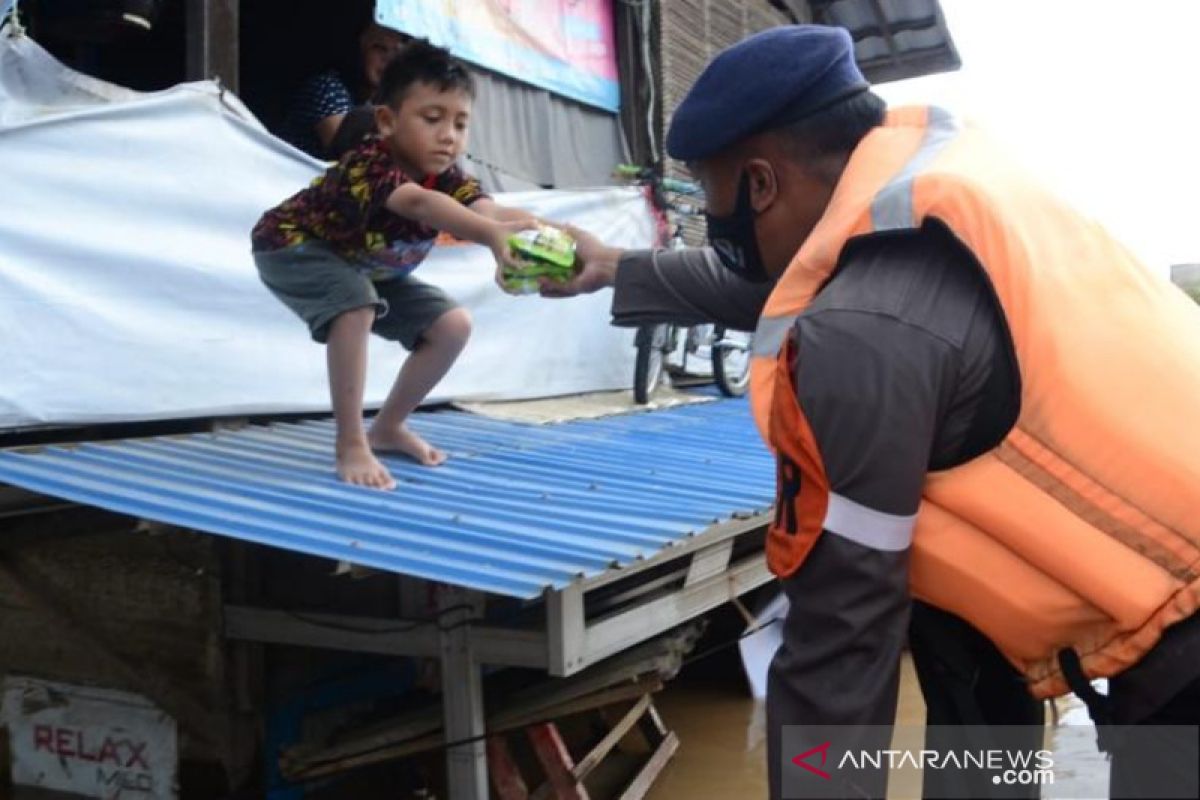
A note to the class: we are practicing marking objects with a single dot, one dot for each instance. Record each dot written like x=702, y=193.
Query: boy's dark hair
x=832, y=133
x=421, y=62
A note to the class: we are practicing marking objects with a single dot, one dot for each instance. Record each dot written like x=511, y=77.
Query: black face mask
x=732, y=236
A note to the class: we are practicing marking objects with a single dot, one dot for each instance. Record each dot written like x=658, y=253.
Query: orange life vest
x=1082, y=528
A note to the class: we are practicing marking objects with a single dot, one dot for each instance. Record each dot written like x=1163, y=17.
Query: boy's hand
x=505, y=260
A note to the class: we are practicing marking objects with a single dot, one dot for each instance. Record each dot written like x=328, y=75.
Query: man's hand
x=595, y=266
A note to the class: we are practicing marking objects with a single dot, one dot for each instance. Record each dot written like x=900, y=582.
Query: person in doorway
x=976, y=397
x=340, y=254
x=331, y=111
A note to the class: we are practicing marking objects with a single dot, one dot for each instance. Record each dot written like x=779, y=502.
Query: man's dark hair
x=421, y=62
x=826, y=138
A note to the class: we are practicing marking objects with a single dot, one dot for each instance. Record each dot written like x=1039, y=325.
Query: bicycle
x=728, y=353
x=728, y=357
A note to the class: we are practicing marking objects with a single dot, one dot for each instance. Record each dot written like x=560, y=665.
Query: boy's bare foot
x=356, y=464
x=404, y=442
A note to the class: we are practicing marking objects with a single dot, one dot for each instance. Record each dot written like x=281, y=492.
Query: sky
x=1100, y=98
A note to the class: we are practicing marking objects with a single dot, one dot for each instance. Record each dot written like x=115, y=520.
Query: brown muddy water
x=722, y=752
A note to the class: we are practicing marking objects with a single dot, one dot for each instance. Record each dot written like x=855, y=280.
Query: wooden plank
x=652, y=769
x=634, y=742
x=556, y=761
x=601, y=606
x=660, y=657
x=708, y=562
x=506, y=778
x=605, y=745
x=399, y=737
x=360, y=753
x=419, y=730
x=607, y=697
x=619, y=631
x=655, y=720
x=730, y=529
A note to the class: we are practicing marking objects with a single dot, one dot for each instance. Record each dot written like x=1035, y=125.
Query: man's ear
x=763, y=186
x=385, y=120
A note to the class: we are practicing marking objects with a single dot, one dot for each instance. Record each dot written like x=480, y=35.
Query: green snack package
x=543, y=252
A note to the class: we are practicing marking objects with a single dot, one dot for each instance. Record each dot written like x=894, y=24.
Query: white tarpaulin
x=127, y=291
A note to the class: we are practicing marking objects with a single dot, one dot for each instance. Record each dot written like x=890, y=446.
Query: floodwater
x=722, y=752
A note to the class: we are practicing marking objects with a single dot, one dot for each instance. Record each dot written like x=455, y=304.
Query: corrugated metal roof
x=518, y=507
x=893, y=39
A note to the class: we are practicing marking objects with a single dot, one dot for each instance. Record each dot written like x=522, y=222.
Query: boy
x=340, y=253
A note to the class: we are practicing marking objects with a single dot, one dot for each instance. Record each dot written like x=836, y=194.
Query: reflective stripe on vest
x=770, y=335
x=892, y=208
x=868, y=527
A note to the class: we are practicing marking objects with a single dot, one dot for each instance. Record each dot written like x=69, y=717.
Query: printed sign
x=89, y=742
x=566, y=46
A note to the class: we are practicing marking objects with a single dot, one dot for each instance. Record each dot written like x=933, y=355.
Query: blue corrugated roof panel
x=517, y=508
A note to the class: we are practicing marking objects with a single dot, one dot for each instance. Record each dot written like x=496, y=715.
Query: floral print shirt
x=346, y=208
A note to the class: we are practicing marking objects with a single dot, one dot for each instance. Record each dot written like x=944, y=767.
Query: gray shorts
x=319, y=285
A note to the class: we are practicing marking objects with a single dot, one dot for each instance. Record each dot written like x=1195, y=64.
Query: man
x=935, y=333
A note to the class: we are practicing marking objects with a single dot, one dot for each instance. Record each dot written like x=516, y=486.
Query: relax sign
x=89, y=742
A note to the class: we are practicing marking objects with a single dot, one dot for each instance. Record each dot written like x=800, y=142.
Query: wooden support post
x=212, y=41
x=462, y=698
x=564, y=613
x=245, y=663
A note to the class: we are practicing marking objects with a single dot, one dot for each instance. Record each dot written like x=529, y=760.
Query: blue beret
x=777, y=76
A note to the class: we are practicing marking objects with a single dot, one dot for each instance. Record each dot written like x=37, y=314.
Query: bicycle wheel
x=731, y=362
x=648, y=366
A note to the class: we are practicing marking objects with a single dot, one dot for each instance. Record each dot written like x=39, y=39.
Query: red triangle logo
x=801, y=760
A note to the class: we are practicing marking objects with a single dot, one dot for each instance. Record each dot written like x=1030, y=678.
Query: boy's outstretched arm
x=446, y=214
x=493, y=210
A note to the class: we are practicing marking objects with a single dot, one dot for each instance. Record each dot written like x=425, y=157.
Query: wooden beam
x=507, y=783
x=615, y=633
x=212, y=41
x=502, y=646
x=556, y=761
x=631, y=674
x=387, y=746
